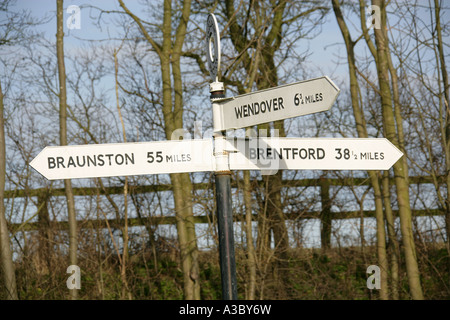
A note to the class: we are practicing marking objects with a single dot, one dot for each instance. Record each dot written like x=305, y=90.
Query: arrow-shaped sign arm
x=124, y=159
x=283, y=102
x=313, y=154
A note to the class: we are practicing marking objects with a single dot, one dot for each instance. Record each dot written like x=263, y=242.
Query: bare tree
x=5, y=245
x=445, y=105
x=73, y=241
x=169, y=52
x=392, y=131
x=361, y=129
x=125, y=289
x=13, y=31
x=261, y=38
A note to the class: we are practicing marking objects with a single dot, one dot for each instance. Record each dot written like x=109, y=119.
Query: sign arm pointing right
x=279, y=103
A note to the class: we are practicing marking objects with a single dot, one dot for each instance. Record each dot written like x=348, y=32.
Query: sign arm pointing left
x=124, y=159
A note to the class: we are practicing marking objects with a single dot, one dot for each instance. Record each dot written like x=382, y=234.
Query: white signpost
x=282, y=102
x=174, y=156
x=124, y=159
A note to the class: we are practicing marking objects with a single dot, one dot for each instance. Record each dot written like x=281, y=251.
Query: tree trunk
x=169, y=53
x=393, y=243
x=7, y=263
x=269, y=78
x=126, y=293
x=251, y=259
x=400, y=167
x=325, y=214
x=437, y=10
x=73, y=242
x=362, y=133
x=45, y=237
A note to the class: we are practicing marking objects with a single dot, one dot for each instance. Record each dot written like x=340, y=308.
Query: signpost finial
x=213, y=40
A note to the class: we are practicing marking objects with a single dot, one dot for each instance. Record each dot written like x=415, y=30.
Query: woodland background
x=299, y=234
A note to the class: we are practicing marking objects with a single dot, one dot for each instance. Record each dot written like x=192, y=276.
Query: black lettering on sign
x=71, y=162
x=255, y=108
x=100, y=160
x=51, y=162
x=371, y=155
x=300, y=98
x=109, y=155
x=184, y=157
x=90, y=161
x=286, y=153
x=60, y=161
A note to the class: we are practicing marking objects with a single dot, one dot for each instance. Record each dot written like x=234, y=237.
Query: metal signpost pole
x=222, y=173
x=226, y=236
x=224, y=211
